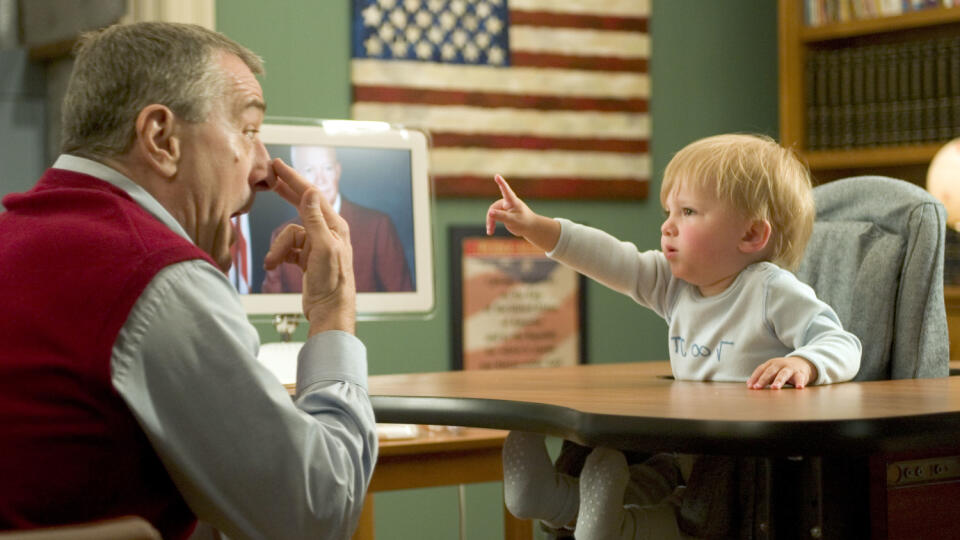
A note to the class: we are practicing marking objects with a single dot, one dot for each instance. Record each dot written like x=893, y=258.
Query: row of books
x=820, y=12
x=889, y=94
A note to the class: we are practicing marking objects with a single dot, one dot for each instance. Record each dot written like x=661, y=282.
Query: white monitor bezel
x=350, y=133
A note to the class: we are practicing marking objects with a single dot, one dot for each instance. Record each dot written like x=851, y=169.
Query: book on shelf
x=821, y=12
x=882, y=94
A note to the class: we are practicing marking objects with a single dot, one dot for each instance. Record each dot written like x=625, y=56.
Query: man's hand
x=777, y=372
x=520, y=220
x=321, y=248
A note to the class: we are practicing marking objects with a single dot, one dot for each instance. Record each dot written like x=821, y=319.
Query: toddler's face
x=701, y=239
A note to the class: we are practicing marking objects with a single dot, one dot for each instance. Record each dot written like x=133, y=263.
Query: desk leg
x=515, y=528
x=365, y=527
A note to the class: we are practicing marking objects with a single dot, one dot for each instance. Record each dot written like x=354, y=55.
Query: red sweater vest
x=75, y=255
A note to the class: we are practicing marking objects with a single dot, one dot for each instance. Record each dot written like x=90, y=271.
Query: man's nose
x=262, y=177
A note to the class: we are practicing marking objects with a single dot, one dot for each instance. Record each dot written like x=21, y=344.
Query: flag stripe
x=616, y=125
x=575, y=20
x=575, y=41
x=521, y=80
x=622, y=8
x=549, y=188
x=532, y=163
x=492, y=140
x=566, y=61
x=392, y=94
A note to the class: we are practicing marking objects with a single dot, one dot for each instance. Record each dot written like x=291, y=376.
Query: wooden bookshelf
x=951, y=297
x=796, y=41
x=878, y=25
x=872, y=157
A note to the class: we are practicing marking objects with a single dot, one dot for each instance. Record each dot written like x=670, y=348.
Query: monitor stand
x=281, y=357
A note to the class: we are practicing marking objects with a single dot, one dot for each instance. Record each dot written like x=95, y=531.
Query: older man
x=128, y=374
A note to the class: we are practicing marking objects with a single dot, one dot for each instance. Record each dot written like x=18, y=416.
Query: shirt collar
x=115, y=178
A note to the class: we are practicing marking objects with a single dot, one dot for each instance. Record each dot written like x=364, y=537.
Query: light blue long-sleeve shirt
x=765, y=313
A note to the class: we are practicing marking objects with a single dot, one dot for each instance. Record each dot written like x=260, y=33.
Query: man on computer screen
x=378, y=260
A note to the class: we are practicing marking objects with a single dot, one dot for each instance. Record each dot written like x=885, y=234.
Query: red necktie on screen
x=238, y=252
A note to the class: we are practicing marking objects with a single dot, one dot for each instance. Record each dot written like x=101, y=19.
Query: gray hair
x=123, y=68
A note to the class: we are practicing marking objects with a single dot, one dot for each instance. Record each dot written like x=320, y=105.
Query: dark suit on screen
x=379, y=264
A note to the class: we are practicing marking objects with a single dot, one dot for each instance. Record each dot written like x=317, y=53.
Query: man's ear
x=756, y=237
x=157, y=140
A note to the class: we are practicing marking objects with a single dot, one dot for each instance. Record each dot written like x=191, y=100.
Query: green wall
x=713, y=70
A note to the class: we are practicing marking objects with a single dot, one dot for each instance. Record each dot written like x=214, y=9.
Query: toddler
x=739, y=211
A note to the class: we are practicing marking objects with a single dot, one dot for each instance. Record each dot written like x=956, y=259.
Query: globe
x=943, y=180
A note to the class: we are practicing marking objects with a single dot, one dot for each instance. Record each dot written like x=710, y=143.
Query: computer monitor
x=385, y=196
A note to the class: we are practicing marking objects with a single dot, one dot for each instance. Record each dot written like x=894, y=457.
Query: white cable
x=462, y=496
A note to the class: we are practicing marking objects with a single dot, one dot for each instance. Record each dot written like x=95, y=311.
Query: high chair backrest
x=876, y=256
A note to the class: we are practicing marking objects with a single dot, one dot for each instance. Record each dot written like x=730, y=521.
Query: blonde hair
x=757, y=176
x=121, y=69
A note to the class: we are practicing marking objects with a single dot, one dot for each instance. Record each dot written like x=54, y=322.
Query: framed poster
x=512, y=306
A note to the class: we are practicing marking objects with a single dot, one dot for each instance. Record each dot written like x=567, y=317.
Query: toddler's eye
x=689, y=211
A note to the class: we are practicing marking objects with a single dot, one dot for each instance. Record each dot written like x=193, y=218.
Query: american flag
x=552, y=94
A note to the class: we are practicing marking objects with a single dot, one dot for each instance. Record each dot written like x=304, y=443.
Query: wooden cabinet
x=799, y=44
x=951, y=294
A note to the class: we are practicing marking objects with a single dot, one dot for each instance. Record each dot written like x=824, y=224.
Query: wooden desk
x=887, y=425
x=638, y=406
x=440, y=459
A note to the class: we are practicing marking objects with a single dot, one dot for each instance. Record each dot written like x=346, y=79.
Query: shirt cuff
x=333, y=356
x=563, y=240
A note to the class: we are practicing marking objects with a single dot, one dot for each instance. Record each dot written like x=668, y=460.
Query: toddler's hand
x=520, y=220
x=509, y=210
x=777, y=372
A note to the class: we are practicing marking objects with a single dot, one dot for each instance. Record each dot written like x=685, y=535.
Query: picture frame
x=511, y=305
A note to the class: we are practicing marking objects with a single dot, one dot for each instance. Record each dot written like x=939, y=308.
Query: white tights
x=615, y=502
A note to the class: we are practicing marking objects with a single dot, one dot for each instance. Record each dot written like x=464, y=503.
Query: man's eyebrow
x=255, y=103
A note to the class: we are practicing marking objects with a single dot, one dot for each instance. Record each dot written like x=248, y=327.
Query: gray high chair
x=876, y=256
